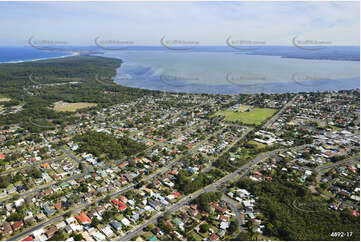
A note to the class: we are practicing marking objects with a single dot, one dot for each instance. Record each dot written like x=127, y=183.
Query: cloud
x=207, y=22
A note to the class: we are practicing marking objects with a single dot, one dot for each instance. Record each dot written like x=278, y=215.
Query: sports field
x=255, y=116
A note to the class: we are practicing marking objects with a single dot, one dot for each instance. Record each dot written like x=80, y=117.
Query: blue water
x=221, y=69
x=27, y=53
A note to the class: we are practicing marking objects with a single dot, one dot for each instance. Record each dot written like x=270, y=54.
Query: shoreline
x=230, y=92
x=39, y=59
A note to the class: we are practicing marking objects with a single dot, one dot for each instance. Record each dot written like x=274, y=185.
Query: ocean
x=15, y=54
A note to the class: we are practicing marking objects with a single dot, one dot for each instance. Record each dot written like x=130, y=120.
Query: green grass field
x=257, y=144
x=255, y=116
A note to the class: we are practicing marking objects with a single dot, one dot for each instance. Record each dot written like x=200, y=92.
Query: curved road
x=235, y=209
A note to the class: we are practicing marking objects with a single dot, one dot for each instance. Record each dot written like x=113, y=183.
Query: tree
x=15, y=217
x=244, y=236
x=95, y=222
x=204, y=228
x=4, y=181
x=167, y=215
x=35, y=172
x=77, y=236
x=205, y=199
x=58, y=236
x=233, y=227
x=107, y=198
x=150, y=227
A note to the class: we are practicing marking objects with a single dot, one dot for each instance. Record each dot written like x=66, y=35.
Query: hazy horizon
x=208, y=23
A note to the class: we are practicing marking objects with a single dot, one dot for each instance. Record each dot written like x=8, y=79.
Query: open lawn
x=257, y=144
x=255, y=116
x=147, y=235
x=263, y=237
x=71, y=107
x=196, y=236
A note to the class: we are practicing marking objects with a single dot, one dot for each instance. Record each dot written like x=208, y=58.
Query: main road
x=323, y=168
x=185, y=200
x=243, y=171
x=276, y=116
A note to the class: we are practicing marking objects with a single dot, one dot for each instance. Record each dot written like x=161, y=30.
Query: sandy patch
x=4, y=99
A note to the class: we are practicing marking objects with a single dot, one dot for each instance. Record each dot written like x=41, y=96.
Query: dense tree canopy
x=283, y=220
x=100, y=144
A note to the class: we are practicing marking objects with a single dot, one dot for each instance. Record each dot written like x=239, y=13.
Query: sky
x=207, y=23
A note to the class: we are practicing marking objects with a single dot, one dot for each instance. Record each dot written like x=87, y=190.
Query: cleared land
x=4, y=99
x=255, y=116
x=71, y=107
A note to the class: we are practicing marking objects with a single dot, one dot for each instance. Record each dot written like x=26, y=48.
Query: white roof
x=107, y=231
x=125, y=221
x=247, y=203
x=38, y=232
x=70, y=220
x=224, y=225
x=60, y=225
x=76, y=227
x=148, y=208
x=98, y=236
x=19, y=202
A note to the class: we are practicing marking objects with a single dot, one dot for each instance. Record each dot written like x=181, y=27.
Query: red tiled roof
x=123, y=164
x=223, y=218
x=29, y=238
x=115, y=201
x=83, y=218
x=17, y=225
x=355, y=213
x=214, y=237
x=58, y=206
x=122, y=206
x=258, y=173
